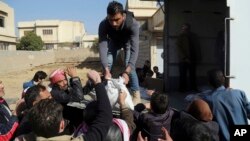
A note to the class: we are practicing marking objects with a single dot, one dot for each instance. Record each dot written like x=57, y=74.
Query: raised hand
x=94, y=77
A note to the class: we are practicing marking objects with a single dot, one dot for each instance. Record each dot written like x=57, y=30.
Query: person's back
x=122, y=126
x=229, y=106
x=152, y=123
x=186, y=128
x=201, y=111
x=160, y=116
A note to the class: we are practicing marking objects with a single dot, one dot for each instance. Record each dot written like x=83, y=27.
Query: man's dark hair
x=114, y=133
x=32, y=94
x=159, y=103
x=216, y=78
x=39, y=75
x=45, y=118
x=89, y=115
x=155, y=67
x=190, y=130
x=114, y=7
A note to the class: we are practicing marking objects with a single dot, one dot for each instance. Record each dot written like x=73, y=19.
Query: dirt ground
x=13, y=81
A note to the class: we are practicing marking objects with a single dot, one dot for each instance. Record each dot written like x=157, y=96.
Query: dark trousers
x=187, y=83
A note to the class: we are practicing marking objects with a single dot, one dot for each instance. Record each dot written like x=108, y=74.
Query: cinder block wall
x=12, y=61
x=75, y=55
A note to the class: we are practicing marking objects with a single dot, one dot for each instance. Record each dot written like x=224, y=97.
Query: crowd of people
x=44, y=113
x=47, y=113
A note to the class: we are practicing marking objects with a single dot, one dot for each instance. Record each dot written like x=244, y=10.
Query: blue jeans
x=112, y=54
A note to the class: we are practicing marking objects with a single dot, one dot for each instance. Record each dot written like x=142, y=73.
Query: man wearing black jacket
x=64, y=92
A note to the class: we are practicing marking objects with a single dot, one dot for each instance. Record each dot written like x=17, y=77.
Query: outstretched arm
x=100, y=126
x=126, y=113
x=103, y=48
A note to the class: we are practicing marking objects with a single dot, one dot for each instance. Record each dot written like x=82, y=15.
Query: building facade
x=7, y=27
x=207, y=20
x=89, y=40
x=55, y=33
x=151, y=18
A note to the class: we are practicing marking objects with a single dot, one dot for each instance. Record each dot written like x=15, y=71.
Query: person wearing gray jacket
x=120, y=30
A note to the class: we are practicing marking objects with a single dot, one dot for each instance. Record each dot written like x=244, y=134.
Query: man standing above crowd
x=120, y=30
x=189, y=54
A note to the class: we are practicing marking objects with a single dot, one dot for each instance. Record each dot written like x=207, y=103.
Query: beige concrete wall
x=75, y=55
x=12, y=61
x=12, y=47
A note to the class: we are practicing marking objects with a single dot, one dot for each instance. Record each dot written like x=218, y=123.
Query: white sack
x=113, y=88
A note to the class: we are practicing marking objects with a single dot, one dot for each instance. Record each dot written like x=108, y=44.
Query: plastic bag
x=113, y=87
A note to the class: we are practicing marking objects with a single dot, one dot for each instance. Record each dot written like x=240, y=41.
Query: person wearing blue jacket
x=229, y=106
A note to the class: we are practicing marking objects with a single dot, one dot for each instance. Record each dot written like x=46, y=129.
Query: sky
x=90, y=12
